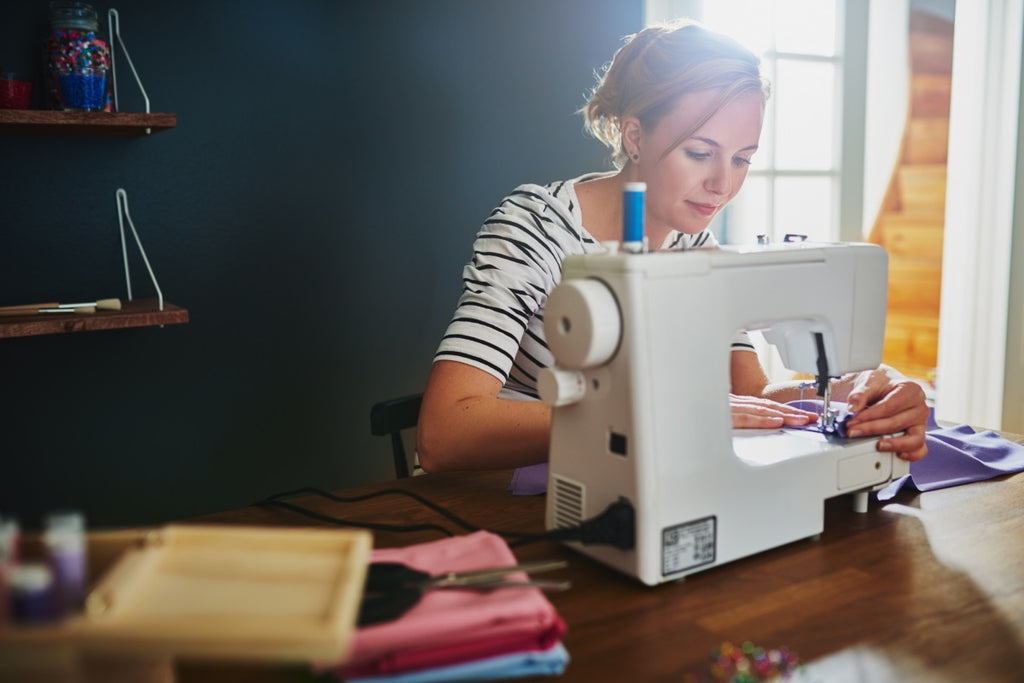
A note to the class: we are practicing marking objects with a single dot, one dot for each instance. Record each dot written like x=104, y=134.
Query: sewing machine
x=641, y=408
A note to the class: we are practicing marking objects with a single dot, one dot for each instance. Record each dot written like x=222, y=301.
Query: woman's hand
x=749, y=412
x=886, y=402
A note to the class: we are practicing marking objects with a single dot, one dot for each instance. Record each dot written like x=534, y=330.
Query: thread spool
x=633, y=216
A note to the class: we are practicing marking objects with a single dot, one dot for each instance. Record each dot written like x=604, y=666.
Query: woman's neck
x=601, y=208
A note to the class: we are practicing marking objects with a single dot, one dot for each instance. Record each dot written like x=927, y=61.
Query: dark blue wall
x=312, y=210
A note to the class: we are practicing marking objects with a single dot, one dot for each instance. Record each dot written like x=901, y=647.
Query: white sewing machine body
x=641, y=408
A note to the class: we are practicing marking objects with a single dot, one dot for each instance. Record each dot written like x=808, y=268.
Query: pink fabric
x=450, y=626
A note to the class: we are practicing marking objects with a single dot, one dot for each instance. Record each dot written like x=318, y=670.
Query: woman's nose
x=718, y=180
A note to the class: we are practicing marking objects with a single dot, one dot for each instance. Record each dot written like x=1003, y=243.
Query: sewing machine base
x=770, y=493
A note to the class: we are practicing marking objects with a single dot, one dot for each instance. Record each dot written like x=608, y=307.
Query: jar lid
x=30, y=577
x=73, y=14
x=65, y=520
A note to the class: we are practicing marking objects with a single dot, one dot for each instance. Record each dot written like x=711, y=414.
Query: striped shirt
x=498, y=326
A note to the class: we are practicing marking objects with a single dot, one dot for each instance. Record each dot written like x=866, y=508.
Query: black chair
x=391, y=417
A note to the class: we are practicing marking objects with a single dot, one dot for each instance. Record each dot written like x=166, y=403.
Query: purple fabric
x=956, y=455
x=816, y=406
x=530, y=481
x=959, y=455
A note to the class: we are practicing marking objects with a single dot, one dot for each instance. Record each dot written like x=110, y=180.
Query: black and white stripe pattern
x=498, y=325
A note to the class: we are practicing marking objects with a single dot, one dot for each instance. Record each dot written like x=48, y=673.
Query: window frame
x=850, y=60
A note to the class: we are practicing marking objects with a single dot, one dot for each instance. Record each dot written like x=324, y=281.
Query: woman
x=681, y=108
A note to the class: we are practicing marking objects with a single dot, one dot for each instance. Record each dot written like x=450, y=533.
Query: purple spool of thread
x=65, y=544
x=30, y=587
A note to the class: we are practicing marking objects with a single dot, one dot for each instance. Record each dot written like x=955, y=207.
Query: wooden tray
x=230, y=592
x=254, y=594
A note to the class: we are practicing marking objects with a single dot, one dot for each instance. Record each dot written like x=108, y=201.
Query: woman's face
x=689, y=185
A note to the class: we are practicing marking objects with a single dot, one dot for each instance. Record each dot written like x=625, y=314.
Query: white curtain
x=979, y=210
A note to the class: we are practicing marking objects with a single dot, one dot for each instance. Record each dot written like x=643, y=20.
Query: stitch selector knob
x=561, y=387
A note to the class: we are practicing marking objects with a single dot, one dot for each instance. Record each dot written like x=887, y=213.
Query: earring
x=635, y=157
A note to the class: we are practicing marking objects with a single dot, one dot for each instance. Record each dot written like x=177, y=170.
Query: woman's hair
x=660, y=64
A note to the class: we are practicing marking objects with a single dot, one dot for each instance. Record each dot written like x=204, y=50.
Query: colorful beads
x=78, y=65
x=746, y=664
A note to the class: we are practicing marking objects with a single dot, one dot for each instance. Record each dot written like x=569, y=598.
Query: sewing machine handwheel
x=582, y=324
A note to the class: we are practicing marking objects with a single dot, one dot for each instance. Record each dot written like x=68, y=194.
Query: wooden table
x=928, y=587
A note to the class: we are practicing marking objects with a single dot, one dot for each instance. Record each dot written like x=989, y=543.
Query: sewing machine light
x=795, y=340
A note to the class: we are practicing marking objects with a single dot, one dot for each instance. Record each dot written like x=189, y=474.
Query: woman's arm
x=751, y=407
x=463, y=425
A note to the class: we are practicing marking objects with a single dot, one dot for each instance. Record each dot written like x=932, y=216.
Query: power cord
x=614, y=526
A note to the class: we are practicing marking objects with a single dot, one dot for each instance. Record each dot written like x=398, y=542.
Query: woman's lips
x=703, y=209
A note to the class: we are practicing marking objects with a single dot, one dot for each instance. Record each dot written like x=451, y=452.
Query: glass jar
x=65, y=543
x=77, y=59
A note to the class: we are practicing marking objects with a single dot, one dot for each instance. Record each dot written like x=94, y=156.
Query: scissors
x=392, y=588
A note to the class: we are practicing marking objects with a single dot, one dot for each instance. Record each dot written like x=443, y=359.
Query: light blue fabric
x=551, y=662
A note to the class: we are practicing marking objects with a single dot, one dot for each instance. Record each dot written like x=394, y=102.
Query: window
x=793, y=184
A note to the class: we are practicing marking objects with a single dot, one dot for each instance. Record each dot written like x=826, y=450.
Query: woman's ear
x=632, y=136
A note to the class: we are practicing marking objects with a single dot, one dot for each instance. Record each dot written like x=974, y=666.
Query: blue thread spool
x=633, y=217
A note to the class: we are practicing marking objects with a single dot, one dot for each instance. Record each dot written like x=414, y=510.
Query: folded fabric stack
x=460, y=635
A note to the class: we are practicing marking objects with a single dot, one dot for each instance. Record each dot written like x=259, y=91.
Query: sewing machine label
x=688, y=545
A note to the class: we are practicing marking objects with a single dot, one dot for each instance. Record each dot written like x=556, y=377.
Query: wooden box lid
x=231, y=592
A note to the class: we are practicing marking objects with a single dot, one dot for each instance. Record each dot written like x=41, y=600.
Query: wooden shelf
x=85, y=123
x=137, y=313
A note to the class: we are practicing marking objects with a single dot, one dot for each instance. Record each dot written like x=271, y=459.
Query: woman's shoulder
x=681, y=241
x=546, y=214
x=559, y=194
x=553, y=201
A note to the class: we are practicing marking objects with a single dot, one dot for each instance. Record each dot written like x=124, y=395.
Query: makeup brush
x=99, y=304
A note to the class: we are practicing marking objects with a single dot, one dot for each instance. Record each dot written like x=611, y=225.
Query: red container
x=14, y=92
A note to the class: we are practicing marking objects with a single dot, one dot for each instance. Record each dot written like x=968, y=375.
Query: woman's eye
x=698, y=156
x=741, y=161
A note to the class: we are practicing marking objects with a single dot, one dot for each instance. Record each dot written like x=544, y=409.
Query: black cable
x=451, y=516
x=377, y=494
x=613, y=526
x=342, y=522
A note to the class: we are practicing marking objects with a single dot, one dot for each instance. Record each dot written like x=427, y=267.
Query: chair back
x=390, y=418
